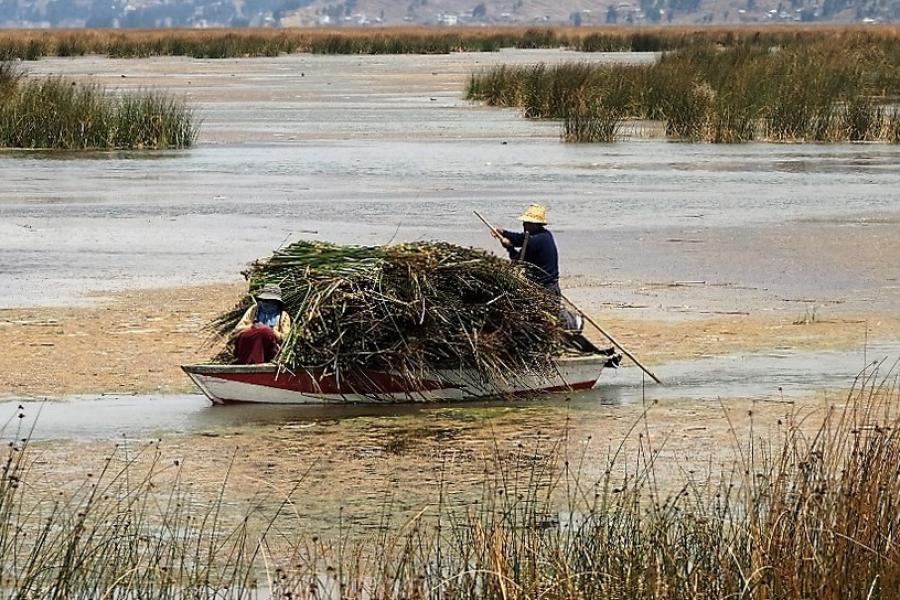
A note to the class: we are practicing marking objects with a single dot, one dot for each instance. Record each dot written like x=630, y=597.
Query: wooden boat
x=264, y=383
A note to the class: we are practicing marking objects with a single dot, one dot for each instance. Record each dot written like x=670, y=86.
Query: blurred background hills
x=442, y=13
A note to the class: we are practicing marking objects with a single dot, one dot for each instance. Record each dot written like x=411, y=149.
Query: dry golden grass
x=32, y=44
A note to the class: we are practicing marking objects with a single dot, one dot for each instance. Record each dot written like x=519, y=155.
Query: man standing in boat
x=258, y=335
x=534, y=246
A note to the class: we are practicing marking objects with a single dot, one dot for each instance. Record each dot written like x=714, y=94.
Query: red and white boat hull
x=264, y=384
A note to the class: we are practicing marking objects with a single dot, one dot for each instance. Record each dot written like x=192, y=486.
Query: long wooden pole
x=613, y=340
x=596, y=325
x=485, y=221
x=499, y=237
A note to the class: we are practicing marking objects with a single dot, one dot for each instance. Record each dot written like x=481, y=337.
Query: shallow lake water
x=370, y=149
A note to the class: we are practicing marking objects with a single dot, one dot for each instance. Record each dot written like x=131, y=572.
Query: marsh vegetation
x=805, y=511
x=61, y=114
x=9, y=77
x=230, y=43
x=842, y=89
x=32, y=45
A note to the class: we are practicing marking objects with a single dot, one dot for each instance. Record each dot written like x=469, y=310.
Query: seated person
x=258, y=335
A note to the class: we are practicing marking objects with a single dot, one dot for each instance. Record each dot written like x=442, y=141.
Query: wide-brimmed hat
x=271, y=292
x=535, y=213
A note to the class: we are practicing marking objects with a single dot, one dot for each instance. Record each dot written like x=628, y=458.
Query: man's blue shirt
x=540, y=252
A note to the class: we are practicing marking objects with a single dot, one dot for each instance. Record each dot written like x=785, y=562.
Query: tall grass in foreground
x=116, y=535
x=810, y=513
x=803, y=91
x=228, y=43
x=9, y=77
x=57, y=113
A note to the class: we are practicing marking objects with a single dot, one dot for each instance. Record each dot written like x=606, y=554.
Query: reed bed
x=31, y=45
x=117, y=534
x=229, y=43
x=802, y=91
x=10, y=75
x=587, y=122
x=810, y=515
x=412, y=309
x=56, y=113
x=810, y=512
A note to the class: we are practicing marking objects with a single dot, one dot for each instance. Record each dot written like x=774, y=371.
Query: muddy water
x=372, y=149
x=773, y=376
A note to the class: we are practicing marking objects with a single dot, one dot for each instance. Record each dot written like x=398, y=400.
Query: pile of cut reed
x=410, y=308
x=845, y=89
x=60, y=114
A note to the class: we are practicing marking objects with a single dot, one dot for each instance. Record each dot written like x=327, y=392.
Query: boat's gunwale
x=263, y=383
x=213, y=369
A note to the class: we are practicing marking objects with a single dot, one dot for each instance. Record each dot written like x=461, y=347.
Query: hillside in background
x=590, y=12
x=446, y=13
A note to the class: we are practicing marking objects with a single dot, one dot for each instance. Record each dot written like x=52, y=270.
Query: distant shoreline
x=33, y=44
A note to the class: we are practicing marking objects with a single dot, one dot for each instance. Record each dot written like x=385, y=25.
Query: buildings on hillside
x=337, y=13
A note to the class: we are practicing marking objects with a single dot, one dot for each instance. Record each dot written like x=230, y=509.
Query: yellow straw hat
x=535, y=213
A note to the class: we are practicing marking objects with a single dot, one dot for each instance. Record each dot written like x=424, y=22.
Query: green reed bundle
x=408, y=308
